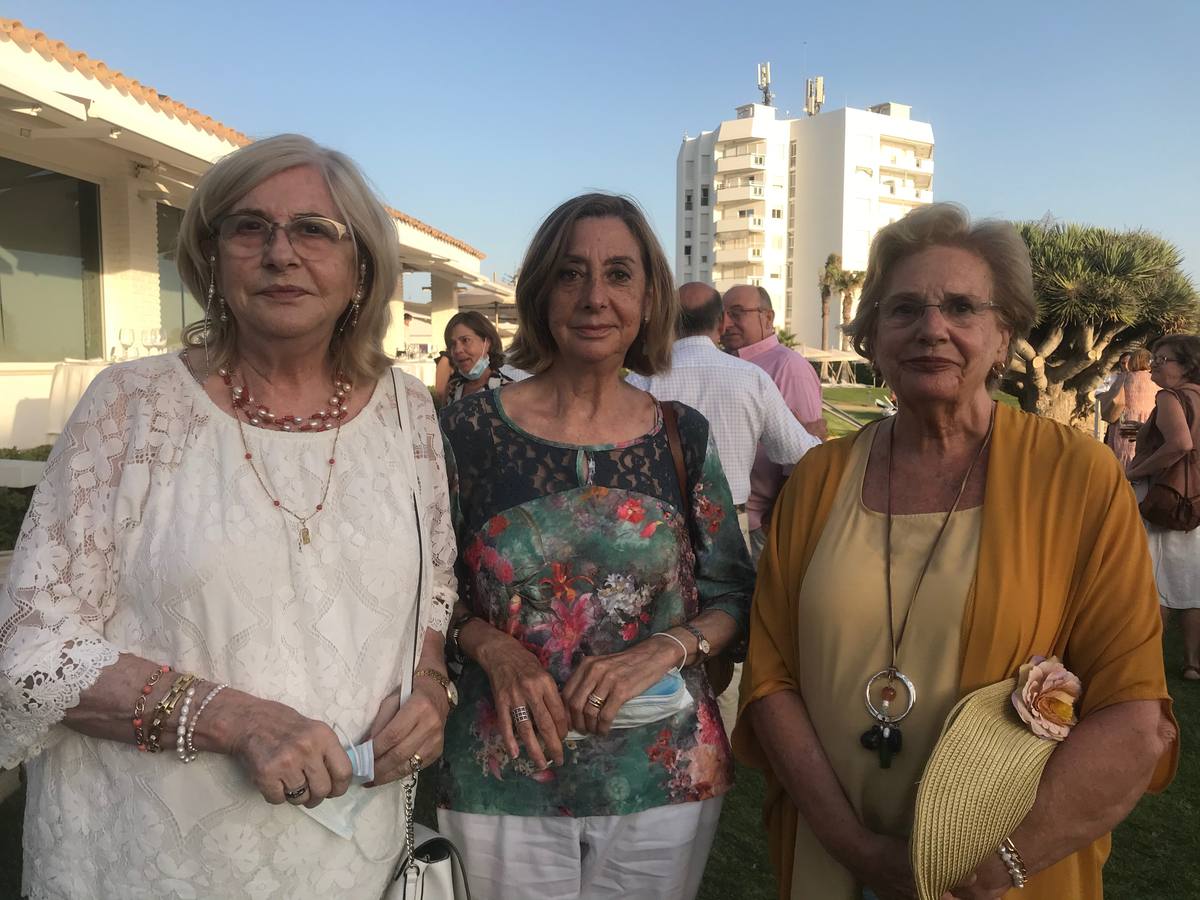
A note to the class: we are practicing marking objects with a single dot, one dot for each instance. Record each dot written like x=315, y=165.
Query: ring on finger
x=519, y=714
x=595, y=700
x=414, y=763
x=292, y=795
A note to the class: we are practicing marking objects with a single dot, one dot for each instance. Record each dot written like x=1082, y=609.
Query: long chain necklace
x=259, y=414
x=884, y=735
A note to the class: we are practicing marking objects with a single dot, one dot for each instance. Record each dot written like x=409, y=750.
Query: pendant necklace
x=332, y=422
x=884, y=735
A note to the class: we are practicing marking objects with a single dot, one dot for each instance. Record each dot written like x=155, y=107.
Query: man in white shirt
x=742, y=404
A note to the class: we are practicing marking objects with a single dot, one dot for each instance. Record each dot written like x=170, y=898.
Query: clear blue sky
x=479, y=117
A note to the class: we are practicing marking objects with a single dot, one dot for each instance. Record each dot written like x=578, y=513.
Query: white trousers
x=658, y=854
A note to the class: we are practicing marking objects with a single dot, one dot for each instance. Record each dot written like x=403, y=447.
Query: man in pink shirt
x=749, y=332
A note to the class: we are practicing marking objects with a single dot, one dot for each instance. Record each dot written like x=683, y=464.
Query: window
x=689, y=169
x=703, y=259
x=704, y=195
x=177, y=307
x=687, y=200
x=687, y=233
x=49, y=266
x=777, y=214
x=705, y=275
x=704, y=226
x=687, y=249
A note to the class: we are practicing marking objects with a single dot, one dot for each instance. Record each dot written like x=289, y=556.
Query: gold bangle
x=163, y=710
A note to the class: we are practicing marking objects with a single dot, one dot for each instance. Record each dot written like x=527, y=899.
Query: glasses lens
x=314, y=237
x=901, y=312
x=245, y=235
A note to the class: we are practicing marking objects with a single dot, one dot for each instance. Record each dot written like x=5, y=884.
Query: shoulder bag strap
x=671, y=422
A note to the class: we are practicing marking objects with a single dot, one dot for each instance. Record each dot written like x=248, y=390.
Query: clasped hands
x=884, y=867
x=587, y=703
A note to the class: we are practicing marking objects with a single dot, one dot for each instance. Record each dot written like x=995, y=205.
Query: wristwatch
x=455, y=648
x=451, y=690
x=703, y=647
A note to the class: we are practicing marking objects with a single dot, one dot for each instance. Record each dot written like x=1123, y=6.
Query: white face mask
x=338, y=813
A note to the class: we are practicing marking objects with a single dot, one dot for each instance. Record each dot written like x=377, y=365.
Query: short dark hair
x=1187, y=348
x=702, y=319
x=479, y=324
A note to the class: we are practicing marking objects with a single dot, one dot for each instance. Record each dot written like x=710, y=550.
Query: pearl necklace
x=260, y=415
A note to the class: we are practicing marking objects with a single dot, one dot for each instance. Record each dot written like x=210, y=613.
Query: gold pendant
x=305, y=537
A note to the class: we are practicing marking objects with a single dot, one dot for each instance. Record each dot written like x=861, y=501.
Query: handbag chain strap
x=408, y=855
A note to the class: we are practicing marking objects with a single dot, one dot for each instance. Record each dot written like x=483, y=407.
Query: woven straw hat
x=979, y=784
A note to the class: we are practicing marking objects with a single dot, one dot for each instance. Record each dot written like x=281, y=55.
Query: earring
x=212, y=290
x=998, y=369
x=356, y=301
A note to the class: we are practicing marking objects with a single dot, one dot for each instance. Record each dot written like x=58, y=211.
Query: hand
x=518, y=679
x=615, y=679
x=884, y=867
x=988, y=882
x=281, y=750
x=415, y=727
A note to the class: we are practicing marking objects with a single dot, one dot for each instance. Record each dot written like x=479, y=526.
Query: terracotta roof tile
x=37, y=42
x=433, y=232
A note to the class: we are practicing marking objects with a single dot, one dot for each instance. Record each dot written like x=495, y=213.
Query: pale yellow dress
x=843, y=641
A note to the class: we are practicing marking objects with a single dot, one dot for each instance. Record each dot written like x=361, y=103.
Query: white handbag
x=430, y=866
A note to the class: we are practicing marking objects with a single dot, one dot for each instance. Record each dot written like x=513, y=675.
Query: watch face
x=452, y=693
x=704, y=646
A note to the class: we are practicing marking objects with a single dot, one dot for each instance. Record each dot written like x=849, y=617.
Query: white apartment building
x=763, y=200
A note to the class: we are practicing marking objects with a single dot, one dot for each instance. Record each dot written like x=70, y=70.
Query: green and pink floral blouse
x=578, y=551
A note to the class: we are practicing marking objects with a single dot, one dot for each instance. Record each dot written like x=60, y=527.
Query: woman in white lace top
x=188, y=519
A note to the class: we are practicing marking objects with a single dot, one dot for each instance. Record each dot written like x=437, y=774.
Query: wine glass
x=153, y=339
x=125, y=337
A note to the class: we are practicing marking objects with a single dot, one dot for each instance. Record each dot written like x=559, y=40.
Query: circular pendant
x=886, y=715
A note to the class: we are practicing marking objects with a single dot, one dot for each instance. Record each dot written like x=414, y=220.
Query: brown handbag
x=719, y=668
x=1173, y=500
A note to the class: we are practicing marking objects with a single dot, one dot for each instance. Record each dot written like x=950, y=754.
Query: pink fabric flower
x=1045, y=697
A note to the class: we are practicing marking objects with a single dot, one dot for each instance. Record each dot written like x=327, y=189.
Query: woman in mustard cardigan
x=934, y=553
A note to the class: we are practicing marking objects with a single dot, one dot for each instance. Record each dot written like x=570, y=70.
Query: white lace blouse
x=151, y=535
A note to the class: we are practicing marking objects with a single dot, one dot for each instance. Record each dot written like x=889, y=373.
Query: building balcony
x=908, y=164
x=746, y=193
x=735, y=224
x=743, y=162
x=902, y=193
x=739, y=255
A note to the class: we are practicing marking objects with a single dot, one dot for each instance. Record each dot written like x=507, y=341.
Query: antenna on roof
x=764, y=82
x=814, y=95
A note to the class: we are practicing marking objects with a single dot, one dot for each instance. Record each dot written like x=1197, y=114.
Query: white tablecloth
x=71, y=379
x=425, y=369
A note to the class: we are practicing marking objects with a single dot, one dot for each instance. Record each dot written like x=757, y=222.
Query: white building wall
x=694, y=226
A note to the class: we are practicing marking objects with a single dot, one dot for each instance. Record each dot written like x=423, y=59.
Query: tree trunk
x=824, y=321
x=847, y=309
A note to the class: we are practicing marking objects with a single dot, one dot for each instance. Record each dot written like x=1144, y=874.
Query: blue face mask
x=478, y=369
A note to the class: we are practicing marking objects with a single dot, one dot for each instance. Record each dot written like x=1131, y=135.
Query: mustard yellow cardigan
x=1063, y=569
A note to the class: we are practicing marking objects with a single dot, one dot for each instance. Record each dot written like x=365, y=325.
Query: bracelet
x=1013, y=862
x=139, y=708
x=456, y=627
x=163, y=710
x=181, y=728
x=187, y=747
x=682, y=646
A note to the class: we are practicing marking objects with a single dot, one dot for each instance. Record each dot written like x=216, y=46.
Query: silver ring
x=892, y=675
x=519, y=714
x=296, y=794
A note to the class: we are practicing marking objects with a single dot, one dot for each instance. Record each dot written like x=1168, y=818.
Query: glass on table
x=1128, y=428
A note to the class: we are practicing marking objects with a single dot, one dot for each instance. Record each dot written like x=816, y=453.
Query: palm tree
x=848, y=282
x=827, y=283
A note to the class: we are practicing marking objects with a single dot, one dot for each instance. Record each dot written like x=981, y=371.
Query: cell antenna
x=814, y=95
x=764, y=82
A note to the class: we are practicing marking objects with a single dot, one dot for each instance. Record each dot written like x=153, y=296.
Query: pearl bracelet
x=186, y=748
x=682, y=647
x=1013, y=862
x=181, y=728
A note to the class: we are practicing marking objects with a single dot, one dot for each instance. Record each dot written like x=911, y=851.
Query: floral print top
x=583, y=550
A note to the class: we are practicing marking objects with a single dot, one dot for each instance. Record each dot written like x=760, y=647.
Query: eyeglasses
x=1162, y=360
x=958, y=311
x=737, y=313
x=312, y=237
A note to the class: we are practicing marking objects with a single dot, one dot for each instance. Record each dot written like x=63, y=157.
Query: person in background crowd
x=1132, y=392
x=591, y=573
x=743, y=407
x=203, y=573
x=749, y=332
x=984, y=570
x=473, y=345
x=1162, y=440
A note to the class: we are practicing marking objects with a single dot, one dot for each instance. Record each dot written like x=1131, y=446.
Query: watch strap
x=699, y=636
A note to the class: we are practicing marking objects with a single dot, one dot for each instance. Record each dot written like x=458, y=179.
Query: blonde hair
x=533, y=349
x=997, y=243
x=356, y=350
x=1139, y=360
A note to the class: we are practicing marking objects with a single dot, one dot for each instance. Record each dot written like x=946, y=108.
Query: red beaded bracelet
x=139, y=708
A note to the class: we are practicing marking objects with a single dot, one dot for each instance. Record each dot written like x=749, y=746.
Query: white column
x=443, y=305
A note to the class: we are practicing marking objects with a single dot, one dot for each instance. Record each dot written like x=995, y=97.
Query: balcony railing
x=744, y=162
x=734, y=224
x=740, y=194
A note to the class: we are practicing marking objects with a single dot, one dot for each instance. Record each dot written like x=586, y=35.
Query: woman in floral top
x=586, y=578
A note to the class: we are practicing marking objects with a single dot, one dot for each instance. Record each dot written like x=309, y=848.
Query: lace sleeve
x=431, y=468
x=53, y=608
